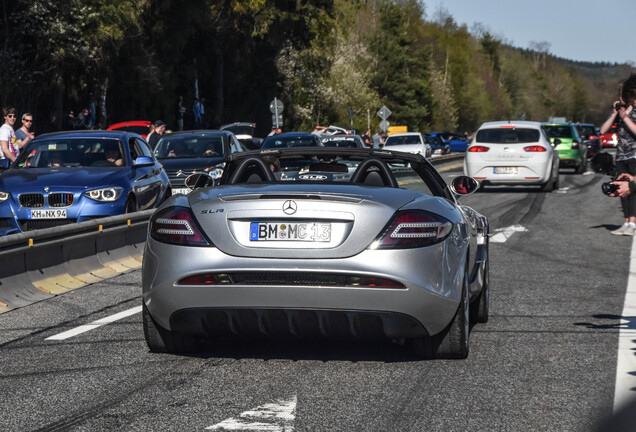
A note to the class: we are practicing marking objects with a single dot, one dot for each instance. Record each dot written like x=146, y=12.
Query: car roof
x=118, y=134
x=129, y=123
x=524, y=123
x=404, y=134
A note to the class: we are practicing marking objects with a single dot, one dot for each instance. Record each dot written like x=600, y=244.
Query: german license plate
x=505, y=170
x=47, y=214
x=183, y=191
x=294, y=231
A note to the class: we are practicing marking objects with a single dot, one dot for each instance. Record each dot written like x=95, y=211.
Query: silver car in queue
x=291, y=244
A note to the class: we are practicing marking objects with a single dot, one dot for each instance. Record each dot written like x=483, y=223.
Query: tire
x=130, y=205
x=479, y=308
x=582, y=166
x=453, y=341
x=160, y=340
x=548, y=186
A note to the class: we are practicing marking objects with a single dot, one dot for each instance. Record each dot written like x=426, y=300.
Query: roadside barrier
x=37, y=265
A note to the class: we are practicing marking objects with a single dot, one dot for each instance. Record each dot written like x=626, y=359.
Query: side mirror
x=464, y=185
x=142, y=161
x=199, y=180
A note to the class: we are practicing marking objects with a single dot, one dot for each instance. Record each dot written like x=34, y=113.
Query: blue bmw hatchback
x=69, y=177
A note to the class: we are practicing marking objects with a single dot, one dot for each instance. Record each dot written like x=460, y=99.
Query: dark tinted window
x=340, y=142
x=507, y=135
x=402, y=140
x=189, y=146
x=277, y=142
x=141, y=130
x=558, y=131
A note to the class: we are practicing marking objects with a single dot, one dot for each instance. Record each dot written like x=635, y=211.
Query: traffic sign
x=384, y=113
x=277, y=120
x=276, y=106
x=384, y=125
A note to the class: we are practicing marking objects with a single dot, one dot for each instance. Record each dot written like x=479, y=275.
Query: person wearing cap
x=160, y=128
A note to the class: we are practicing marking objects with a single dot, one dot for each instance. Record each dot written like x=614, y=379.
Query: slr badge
x=289, y=207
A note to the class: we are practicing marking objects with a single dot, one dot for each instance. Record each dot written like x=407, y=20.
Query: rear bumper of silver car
x=426, y=304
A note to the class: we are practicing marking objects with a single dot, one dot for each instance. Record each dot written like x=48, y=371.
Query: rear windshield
x=345, y=141
x=508, y=135
x=190, y=146
x=556, y=131
x=275, y=142
x=402, y=140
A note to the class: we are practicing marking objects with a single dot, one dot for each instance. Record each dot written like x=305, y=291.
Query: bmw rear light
x=535, y=148
x=412, y=229
x=478, y=149
x=575, y=145
x=176, y=225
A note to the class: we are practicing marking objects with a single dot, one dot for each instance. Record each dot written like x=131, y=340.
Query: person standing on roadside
x=623, y=115
x=160, y=128
x=196, y=108
x=9, y=145
x=25, y=130
x=181, y=109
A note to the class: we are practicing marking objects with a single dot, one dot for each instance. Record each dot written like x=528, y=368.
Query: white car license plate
x=47, y=214
x=294, y=231
x=505, y=170
x=183, y=191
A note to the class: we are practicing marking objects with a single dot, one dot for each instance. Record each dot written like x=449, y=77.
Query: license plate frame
x=311, y=232
x=505, y=170
x=47, y=214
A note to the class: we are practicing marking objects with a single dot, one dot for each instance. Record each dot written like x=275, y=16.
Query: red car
x=140, y=127
x=610, y=139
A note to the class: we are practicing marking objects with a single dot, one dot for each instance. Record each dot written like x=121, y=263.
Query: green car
x=569, y=145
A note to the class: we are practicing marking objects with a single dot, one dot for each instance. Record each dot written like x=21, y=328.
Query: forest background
x=321, y=58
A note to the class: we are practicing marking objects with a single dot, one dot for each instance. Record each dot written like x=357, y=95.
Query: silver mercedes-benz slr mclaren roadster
x=317, y=242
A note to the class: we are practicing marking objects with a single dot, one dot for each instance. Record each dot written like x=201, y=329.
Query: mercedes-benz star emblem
x=46, y=189
x=289, y=207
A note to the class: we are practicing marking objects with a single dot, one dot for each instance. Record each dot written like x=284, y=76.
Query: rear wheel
x=582, y=166
x=161, y=340
x=453, y=342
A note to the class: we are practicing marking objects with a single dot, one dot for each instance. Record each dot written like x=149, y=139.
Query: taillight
x=575, y=145
x=478, y=149
x=176, y=225
x=411, y=229
x=535, y=148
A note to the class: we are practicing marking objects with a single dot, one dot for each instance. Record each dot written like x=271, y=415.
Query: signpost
x=276, y=107
x=384, y=114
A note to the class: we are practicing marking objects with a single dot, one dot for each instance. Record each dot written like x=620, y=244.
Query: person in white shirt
x=9, y=145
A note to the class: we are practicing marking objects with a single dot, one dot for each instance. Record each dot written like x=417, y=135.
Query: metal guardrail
x=39, y=264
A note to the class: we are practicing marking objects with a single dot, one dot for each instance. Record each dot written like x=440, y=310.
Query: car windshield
x=240, y=130
x=345, y=141
x=557, y=131
x=285, y=142
x=402, y=140
x=319, y=168
x=72, y=153
x=507, y=135
x=189, y=146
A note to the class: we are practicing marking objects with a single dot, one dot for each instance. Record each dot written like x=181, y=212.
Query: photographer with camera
x=624, y=117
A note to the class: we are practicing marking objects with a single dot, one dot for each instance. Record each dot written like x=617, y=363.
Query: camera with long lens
x=619, y=105
x=604, y=162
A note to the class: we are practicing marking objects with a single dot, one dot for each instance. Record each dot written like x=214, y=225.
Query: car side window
x=143, y=149
x=235, y=145
x=133, y=151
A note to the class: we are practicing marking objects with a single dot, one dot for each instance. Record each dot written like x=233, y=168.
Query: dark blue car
x=456, y=142
x=68, y=177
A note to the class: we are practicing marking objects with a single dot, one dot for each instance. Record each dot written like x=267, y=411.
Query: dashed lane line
x=95, y=324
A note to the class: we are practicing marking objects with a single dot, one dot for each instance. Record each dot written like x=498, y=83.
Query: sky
x=582, y=30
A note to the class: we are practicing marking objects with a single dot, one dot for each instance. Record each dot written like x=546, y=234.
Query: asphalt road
x=545, y=361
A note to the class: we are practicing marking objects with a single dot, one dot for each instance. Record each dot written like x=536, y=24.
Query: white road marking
x=625, y=388
x=562, y=190
x=272, y=417
x=95, y=324
x=503, y=234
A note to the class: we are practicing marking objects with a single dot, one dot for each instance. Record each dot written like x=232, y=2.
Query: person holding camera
x=624, y=117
